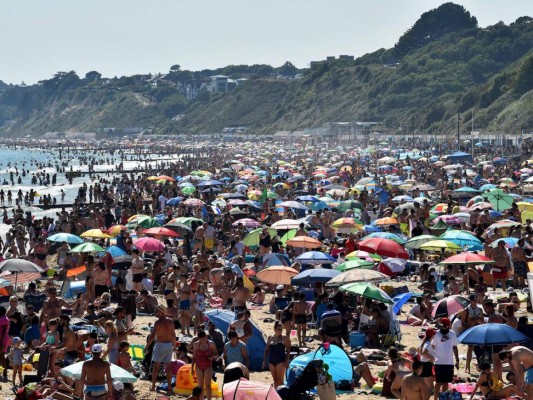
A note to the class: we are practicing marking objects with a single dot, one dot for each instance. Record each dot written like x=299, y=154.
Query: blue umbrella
x=314, y=275
x=487, y=186
x=307, y=198
x=65, y=237
x=492, y=335
x=461, y=238
x=116, y=251
x=174, y=201
x=371, y=229
x=318, y=206
x=212, y=182
x=315, y=258
x=509, y=242
x=400, y=300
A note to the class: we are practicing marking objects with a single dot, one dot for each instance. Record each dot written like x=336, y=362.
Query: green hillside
x=443, y=65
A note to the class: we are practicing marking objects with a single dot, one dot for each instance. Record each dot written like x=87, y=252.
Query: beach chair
x=393, y=336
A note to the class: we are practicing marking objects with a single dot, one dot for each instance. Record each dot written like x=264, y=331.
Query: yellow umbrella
x=440, y=245
x=95, y=233
x=152, y=178
x=524, y=206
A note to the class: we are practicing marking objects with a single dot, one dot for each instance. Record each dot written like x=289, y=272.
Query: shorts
x=167, y=292
x=100, y=290
x=499, y=272
x=95, y=391
x=529, y=376
x=300, y=318
x=520, y=268
x=427, y=369
x=443, y=373
x=137, y=278
x=162, y=353
x=185, y=305
x=209, y=243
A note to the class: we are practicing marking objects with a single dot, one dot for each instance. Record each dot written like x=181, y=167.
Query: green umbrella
x=87, y=248
x=499, y=199
x=349, y=205
x=368, y=291
x=418, y=241
x=357, y=263
x=288, y=236
x=145, y=221
x=188, y=220
x=252, y=239
x=188, y=189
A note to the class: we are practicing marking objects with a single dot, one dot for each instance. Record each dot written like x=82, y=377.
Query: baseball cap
x=445, y=322
x=97, y=348
x=16, y=340
x=280, y=287
x=430, y=332
x=472, y=297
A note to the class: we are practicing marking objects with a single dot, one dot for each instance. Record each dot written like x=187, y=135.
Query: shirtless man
x=95, y=374
x=164, y=337
x=69, y=341
x=502, y=264
x=413, y=386
x=240, y=295
x=123, y=331
x=520, y=359
x=52, y=307
x=99, y=279
x=185, y=293
x=299, y=318
x=215, y=275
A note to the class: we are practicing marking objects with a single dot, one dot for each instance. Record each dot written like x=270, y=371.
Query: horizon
x=128, y=38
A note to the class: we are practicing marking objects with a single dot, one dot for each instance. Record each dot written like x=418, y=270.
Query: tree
x=524, y=78
x=175, y=68
x=288, y=69
x=93, y=76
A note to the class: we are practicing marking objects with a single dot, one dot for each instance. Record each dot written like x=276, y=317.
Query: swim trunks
x=162, y=353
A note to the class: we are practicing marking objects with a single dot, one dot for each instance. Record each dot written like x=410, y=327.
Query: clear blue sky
x=125, y=37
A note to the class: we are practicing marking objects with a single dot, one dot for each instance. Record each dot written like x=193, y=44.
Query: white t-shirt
x=443, y=346
x=426, y=346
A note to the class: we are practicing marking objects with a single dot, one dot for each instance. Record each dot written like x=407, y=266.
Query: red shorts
x=501, y=274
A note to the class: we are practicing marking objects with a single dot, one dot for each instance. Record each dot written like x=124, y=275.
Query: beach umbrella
x=509, y=242
x=357, y=275
x=192, y=202
x=277, y=275
x=14, y=278
x=307, y=198
x=117, y=374
x=210, y=182
x=483, y=205
x=149, y=244
x=349, y=205
x=244, y=389
x=179, y=228
x=288, y=236
x=65, y=237
x=189, y=221
x=349, y=224
x=440, y=245
x=357, y=263
x=115, y=229
x=504, y=223
x=286, y=224
x=491, y=334
x=392, y=266
x=165, y=178
x=422, y=187
x=386, y=221
x=383, y=247
x=174, y=201
x=449, y=305
x=95, y=233
x=314, y=275
x=116, y=252
x=293, y=204
x=237, y=213
x=160, y=231
x=486, y=187
x=188, y=189
x=362, y=255
x=448, y=220
x=88, y=248
x=247, y=223
x=367, y=291
x=144, y=221
x=387, y=235
x=304, y=242
x=315, y=258
x=499, y=199
x=252, y=238
x=461, y=238
x=16, y=266
x=467, y=258
x=403, y=198
x=399, y=301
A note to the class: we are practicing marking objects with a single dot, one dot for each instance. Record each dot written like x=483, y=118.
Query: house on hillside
x=221, y=84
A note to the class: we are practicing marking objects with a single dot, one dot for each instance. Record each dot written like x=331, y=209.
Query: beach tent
x=256, y=344
x=460, y=156
x=340, y=365
x=70, y=289
x=244, y=389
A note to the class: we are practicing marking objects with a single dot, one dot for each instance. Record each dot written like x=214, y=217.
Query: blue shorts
x=95, y=390
x=185, y=305
x=162, y=353
x=529, y=376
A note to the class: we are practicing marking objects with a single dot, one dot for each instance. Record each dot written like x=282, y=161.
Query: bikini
x=276, y=353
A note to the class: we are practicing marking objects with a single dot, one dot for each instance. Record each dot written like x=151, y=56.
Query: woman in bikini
x=401, y=366
x=492, y=388
x=203, y=353
x=277, y=353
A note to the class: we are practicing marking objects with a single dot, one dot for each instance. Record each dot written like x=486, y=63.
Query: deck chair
x=392, y=337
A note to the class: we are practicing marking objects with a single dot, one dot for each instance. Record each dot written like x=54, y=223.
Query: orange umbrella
x=76, y=271
x=166, y=178
x=277, y=275
x=160, y=231
x=304, y=242
x=387, y=221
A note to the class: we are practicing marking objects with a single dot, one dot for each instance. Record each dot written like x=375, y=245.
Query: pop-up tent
x=70, y=289
x=340, y=365
x=256, y=344
x=244, y=389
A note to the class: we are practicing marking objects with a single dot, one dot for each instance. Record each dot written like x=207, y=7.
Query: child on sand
x=15, y=356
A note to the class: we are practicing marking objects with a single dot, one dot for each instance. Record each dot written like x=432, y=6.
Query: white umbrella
x=17, y=265
x=294, y=204
x=286, y=224
x=357, y=275
x=118, y=374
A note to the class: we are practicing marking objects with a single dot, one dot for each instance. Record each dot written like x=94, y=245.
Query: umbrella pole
x=16, y=279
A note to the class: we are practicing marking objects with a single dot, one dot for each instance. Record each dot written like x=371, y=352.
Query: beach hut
x=256, y=344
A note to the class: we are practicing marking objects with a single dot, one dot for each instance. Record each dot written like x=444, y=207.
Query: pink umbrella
x=244, y=389
x=448, y=220
x=21, y=277
x=194, y=202
x=247, y=222
x=149, y=244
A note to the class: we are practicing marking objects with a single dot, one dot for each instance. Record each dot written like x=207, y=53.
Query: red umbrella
x=468, y=258
x=383, y=247
x=159, y=230
x=149, y=244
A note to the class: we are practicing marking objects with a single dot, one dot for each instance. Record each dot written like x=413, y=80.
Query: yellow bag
x=494, y=382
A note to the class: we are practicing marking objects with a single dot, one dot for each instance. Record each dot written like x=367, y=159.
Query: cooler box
x=357, y=339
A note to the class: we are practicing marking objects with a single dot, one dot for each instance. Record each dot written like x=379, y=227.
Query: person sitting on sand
x=492, y=388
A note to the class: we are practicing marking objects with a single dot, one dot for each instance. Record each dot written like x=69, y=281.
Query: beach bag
x=450, y=395
x=326, y=391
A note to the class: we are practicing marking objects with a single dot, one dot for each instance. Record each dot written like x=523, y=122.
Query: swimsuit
x=203, y=361
x=276, y=353
x=300, y=318
x=70, y=357
x=95, y=391
x=185, y=305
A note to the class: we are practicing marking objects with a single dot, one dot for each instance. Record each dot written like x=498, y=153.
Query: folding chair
x=392, y=337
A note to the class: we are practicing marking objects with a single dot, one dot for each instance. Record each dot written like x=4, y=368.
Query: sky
x=124, y=37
